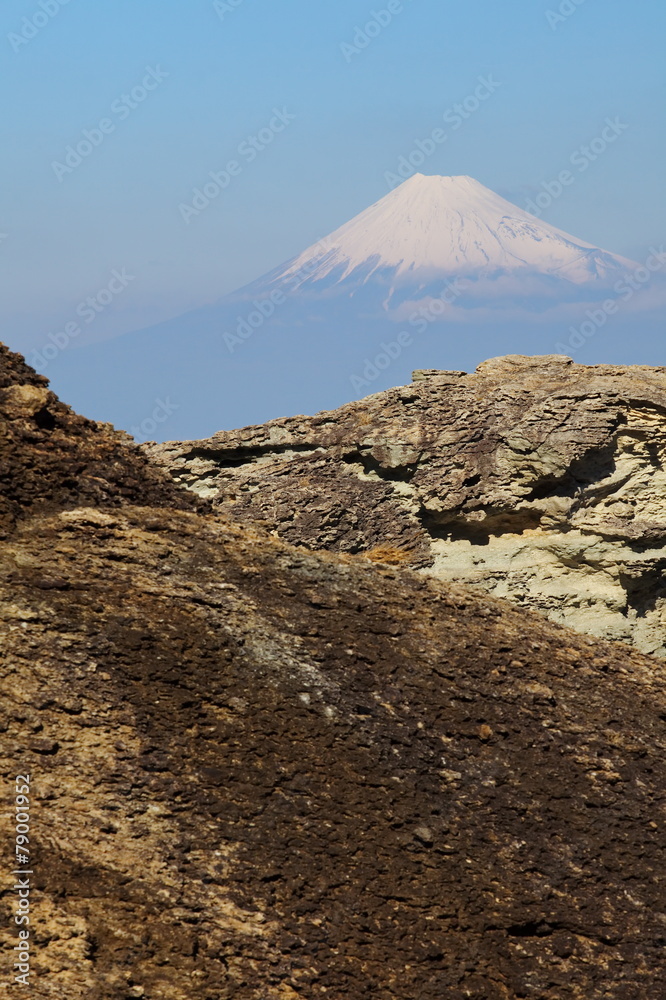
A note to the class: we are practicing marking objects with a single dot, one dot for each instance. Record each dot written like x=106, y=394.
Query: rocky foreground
x=535, y=479
x=264, y=772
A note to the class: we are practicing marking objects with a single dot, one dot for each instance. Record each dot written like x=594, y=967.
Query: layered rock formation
x=261, y=772
x=535, y=479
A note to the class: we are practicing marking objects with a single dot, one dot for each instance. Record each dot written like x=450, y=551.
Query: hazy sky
x=212, y=75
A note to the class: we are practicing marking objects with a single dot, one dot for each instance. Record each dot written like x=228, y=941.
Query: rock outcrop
x=261, y=772
x=53, y=459
x=536, y=479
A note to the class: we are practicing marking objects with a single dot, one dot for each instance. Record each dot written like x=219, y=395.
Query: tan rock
x=534, y=478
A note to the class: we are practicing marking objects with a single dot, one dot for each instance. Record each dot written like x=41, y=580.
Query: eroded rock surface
x=261, y=772
x=536, y=479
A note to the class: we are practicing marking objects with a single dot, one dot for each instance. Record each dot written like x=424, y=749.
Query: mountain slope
x=440, y=273
x=447, y=227
x=263, y=772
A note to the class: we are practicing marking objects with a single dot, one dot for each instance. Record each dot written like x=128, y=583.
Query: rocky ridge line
x=536, y=479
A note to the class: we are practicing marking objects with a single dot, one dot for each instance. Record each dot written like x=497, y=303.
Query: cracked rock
x=535, y=479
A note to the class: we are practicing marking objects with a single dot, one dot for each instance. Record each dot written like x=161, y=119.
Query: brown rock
x=273, y=783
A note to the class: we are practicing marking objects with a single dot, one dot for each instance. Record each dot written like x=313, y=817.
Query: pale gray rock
x=536, y=479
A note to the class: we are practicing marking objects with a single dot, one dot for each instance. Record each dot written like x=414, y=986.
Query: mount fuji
x=441, y=272
x=433, y=228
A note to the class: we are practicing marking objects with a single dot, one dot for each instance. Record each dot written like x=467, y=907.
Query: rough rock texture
x=536, y=479
x=260, y=772
x=53, y=459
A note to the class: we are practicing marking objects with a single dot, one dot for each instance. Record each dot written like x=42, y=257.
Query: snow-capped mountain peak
x=434, y=226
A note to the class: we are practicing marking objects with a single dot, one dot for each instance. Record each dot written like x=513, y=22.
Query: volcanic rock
x=534, y=478
x=262, y=772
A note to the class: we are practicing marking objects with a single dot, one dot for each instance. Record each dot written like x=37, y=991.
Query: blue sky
x=223, y=72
